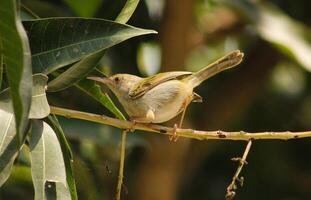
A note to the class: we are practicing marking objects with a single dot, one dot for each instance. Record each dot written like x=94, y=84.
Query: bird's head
x=119, y=84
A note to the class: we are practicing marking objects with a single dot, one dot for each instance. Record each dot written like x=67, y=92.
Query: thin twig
x=231, y=189
x=188, y=133
x=121, y=165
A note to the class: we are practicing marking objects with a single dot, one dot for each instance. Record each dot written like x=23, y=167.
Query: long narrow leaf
x=127, y=11
x=67, y=154
x=16, y=52
x=90, y=88
x=47, y=162
x=57, y=42
x=9, y=145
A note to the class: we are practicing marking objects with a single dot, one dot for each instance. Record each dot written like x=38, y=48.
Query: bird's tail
x=228, y=61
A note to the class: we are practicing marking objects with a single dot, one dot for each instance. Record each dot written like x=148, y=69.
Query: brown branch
x=187, y=133
x=121, y=166
x=231, y=189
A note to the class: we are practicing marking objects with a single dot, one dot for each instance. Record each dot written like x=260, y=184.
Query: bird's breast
x=166, y=100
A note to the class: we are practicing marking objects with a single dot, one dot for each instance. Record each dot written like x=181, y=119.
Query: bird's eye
x=116, y=79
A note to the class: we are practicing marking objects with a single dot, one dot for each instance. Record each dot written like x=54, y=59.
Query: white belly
x=167, y=99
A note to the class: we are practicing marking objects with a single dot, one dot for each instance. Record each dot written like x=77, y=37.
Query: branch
x=188, y=133
x=121, y=169
x=231, y=189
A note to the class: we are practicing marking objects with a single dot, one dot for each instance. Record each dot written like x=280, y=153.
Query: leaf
x=47, y=162
x=95, y=92
x=84, y=8
x=9, y=145
x=57, y=42
x=67, y=155
x=127, y=11
x=39, y=105
x=75, y=73
x=288, y=35
x=16, y=53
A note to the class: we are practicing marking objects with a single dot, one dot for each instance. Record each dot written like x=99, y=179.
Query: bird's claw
x=132, y=128
x=174, y=137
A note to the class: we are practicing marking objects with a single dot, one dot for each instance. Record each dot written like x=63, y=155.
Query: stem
x=231, y=189
x=121, y=169
x=188, y=133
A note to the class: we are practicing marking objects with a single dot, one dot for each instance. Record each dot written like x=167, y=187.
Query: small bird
x=163, y=96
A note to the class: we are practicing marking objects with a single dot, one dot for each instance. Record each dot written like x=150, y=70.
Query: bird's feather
x=146, y=84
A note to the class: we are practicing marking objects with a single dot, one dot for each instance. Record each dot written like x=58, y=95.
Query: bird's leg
x=132, y=128
x=174, y=137
x=150, y=116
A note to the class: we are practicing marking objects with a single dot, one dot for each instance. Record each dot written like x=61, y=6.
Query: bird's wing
x=146, y=84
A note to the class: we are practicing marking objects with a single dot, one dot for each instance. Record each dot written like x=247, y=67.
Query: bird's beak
x=103, y=80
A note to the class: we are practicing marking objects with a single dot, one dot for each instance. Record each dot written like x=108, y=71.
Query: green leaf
x=288, y=35
x=39, y=105
x=67, y=155
x=127, y=11
x=16, y=52
x=57, y=42
x=75, y=73
x=84, y=8
x=95, y=92
x=9, y=145
x=47, y=162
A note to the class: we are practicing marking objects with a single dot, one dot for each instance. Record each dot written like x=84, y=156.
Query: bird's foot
x=132, y=128
x=174, y=137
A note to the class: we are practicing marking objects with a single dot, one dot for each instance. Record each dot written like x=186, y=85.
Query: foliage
x=76, y=44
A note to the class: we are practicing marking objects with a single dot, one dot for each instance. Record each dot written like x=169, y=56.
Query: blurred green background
x=269, y=91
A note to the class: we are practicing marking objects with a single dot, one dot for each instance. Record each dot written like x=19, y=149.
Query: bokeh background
x=269, y=91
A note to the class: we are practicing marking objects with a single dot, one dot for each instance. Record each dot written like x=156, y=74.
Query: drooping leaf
x=84, y=8
x=47, y=162
x=75, y=73
x=127, y=11
x=9, y=145
x=67, y=154
x=90, y=88
x=16, y=52
x=39, y=105
x=57, y=42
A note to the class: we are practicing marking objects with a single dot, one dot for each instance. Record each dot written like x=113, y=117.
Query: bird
x=161, y=97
